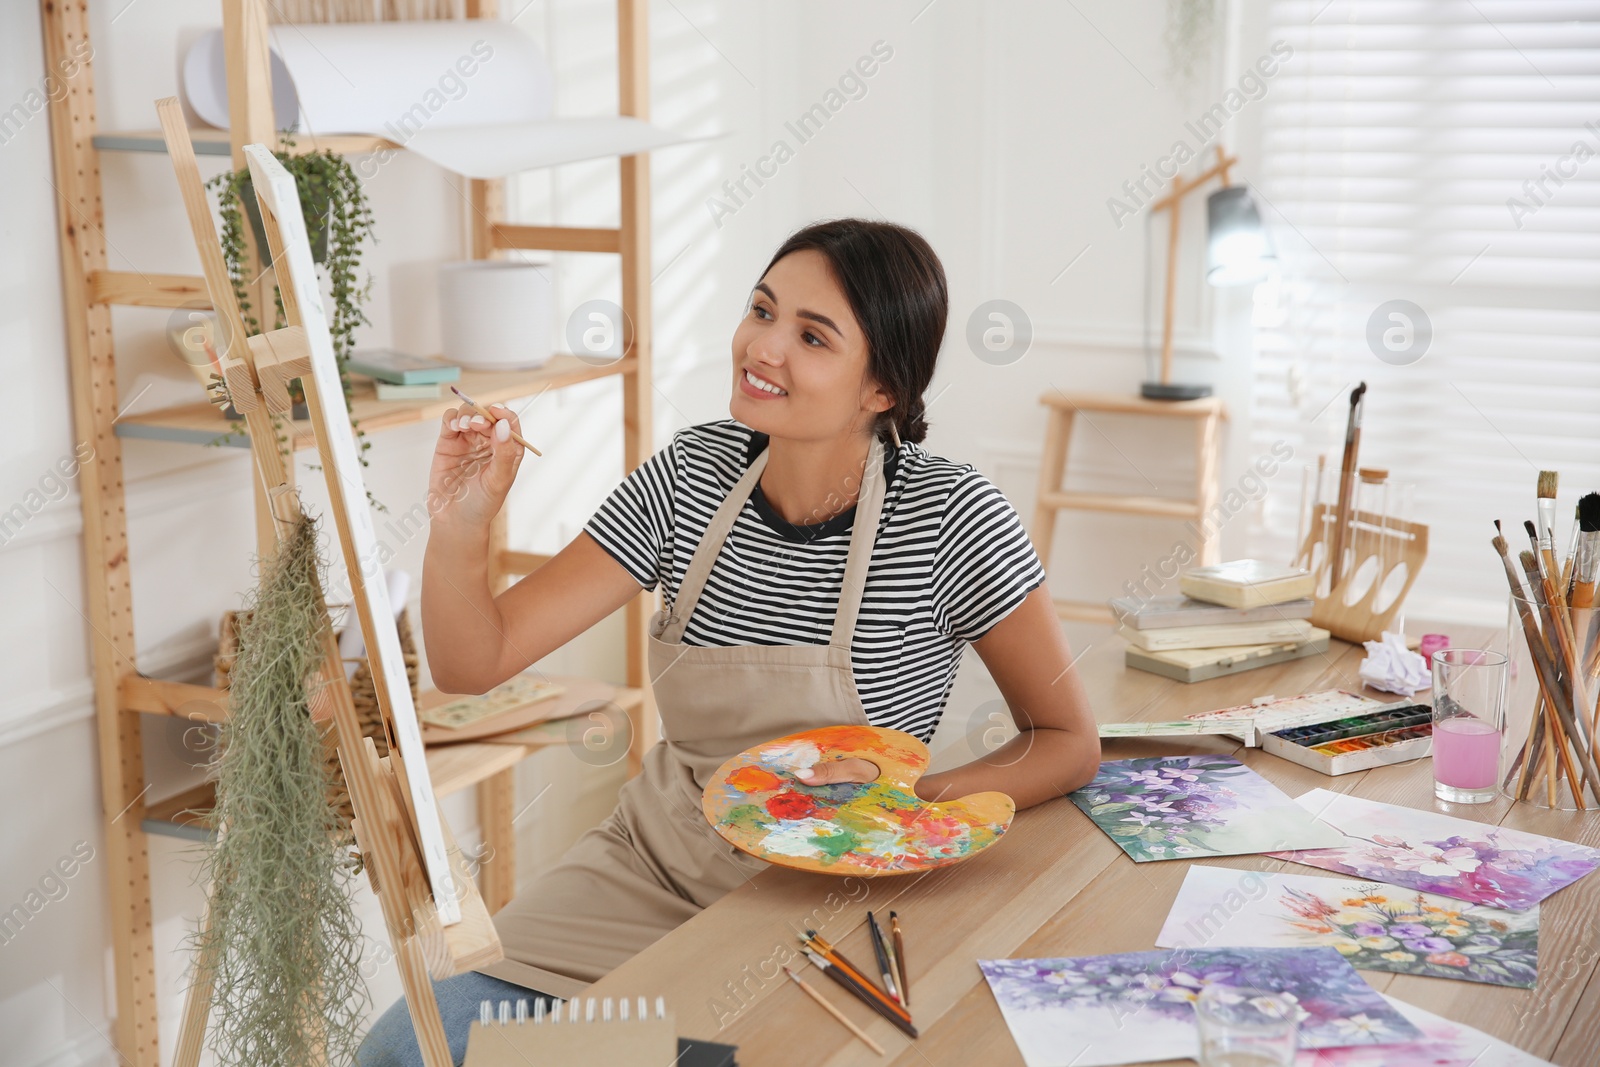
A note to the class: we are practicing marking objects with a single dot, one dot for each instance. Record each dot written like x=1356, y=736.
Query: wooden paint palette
x=882, y=827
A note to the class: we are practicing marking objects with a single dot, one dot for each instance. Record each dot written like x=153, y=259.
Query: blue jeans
x=392, y=1043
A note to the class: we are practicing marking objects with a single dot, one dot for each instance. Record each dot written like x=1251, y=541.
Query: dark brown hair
x=896, y=289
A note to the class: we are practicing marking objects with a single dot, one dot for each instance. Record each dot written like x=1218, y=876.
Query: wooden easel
x=391, y=828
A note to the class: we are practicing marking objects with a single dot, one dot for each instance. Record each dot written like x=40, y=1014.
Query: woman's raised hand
x=474, y=463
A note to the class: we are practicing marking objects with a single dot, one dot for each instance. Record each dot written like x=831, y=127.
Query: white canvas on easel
x=275, y=187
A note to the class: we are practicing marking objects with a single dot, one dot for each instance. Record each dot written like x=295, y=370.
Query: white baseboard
x=87, y=1050
x=52, y=709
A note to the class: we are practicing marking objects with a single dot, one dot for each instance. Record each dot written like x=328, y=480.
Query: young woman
x=817, y=566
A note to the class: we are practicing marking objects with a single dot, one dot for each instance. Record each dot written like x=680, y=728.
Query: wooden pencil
x=900, y=959
x=835, y=1012
x=478, y=408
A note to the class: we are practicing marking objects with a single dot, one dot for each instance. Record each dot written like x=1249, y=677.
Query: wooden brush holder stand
x=1382, y=554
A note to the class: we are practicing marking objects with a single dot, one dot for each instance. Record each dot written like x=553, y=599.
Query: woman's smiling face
x=800, y=358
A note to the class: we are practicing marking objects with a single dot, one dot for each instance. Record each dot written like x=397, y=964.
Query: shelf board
x=451, y=767
x=183, y=815
x=203, y=423
x=213, y=142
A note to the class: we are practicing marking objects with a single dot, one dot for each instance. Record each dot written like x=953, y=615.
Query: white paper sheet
x=495, y=151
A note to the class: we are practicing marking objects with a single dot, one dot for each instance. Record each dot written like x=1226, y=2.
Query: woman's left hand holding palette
x=862, y=817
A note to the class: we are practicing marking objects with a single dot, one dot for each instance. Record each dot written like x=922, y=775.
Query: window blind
x=1445, y=153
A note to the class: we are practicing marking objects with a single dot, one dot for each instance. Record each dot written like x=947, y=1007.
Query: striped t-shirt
x=951, y=560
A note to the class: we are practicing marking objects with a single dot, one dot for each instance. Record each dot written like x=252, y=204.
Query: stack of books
x=1231, y=617
x=399, y=376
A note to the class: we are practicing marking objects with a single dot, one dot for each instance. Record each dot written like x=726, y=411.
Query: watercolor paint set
x=1357, y=743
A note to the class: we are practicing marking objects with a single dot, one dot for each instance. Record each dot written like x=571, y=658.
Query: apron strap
x=705, y=554
x=863, y=534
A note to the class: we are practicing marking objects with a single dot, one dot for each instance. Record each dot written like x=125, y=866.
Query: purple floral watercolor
x=1172, y=807
x=1104, y=1009
x=1434, y=853
x=1375, y=927
x=1444, y=1044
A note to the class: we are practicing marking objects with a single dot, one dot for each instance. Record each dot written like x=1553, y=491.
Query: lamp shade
x=1237, y=252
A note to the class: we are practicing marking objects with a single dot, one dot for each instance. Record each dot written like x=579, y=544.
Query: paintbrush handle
x=836, y=1013
x=900, y=965
x=882, y=1008
x=1536, y=744
x=1549, y=683
x=834, y=957
x=1347, y=491
x=881, y=951
x=486, y=413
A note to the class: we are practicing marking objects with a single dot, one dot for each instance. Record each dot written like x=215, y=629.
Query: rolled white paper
x=475, y=96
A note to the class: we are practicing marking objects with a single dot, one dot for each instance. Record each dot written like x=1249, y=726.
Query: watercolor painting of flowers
x=1096, y=1011
x=1444, y=1044
x=1184, y=807
x=1434, y=853
x=1376, y=927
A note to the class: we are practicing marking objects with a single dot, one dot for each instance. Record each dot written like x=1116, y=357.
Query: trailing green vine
x=339, y=223
x=1190, y=28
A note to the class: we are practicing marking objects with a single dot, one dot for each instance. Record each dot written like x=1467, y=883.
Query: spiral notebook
x=618, y=1032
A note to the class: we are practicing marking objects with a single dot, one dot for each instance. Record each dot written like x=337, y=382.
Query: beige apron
x=655, y=861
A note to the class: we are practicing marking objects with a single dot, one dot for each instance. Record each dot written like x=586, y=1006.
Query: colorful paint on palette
x=1358, y=726
x=756, y=802
x=1378, y=740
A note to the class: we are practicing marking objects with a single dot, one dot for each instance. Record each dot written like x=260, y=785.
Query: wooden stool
x=1206, y=413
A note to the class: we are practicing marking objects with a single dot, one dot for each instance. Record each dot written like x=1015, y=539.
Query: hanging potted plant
x=338, y=223
x=1190, y=28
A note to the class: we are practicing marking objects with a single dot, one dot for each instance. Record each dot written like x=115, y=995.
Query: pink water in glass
x=1466, y=753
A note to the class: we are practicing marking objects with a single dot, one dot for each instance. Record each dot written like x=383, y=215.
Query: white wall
x=998, y=130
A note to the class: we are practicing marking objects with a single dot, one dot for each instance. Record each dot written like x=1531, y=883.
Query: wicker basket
x=362, y=693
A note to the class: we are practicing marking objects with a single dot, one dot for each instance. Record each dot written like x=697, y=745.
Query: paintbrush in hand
x=479, y=409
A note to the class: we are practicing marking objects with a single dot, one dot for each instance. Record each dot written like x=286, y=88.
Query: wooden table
x=1057, y=886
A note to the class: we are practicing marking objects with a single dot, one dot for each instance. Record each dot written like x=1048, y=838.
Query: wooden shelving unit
x=1207, y=414
x=122, y=695
x=203, y=423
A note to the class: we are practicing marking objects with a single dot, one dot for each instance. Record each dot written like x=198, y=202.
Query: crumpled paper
x=1391, y=667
